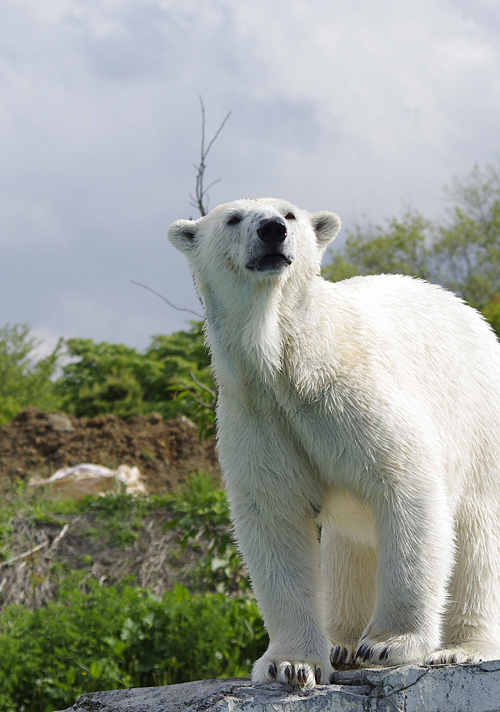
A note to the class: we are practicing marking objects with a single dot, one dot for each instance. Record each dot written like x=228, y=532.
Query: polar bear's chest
x=324, y=423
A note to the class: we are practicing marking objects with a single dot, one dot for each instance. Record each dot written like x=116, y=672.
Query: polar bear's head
x=257, y=240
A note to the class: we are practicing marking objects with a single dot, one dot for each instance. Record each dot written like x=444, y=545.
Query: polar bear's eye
x=289, y=216
x=234, y=219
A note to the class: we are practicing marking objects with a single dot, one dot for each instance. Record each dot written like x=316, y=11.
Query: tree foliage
x=24, y=379
x=171, y=377
x=468, y=245
x=186, y=362
x=106, y=378
x=399, y=247
x=460, y=252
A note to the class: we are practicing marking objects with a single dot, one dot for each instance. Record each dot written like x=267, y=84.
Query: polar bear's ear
x=326, y=225
x=182, y=234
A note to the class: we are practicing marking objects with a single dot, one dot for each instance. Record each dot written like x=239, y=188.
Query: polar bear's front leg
x=270, y=488
x=278, y=540
x=416, y=551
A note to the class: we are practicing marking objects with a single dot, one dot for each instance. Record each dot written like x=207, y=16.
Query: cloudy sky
x=358, y=106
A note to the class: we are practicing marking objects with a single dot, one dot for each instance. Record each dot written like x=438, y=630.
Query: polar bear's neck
x=248, y=332
x=261, y=335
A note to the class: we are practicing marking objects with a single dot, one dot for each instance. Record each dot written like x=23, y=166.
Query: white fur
x=376, y=402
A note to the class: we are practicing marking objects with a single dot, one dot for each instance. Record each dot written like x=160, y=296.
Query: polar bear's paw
x=290, y=672
x=460, y=654
x=342, y=655
x=394, y=650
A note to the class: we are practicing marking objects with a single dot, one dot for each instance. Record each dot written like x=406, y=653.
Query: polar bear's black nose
x=272, y=231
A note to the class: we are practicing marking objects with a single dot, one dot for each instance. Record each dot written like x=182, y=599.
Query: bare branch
x=209, y=406
x=59, y=536
x=25, y=553
x=197, y=201
x=139, y=284
x=200, y=199
x=202, y=386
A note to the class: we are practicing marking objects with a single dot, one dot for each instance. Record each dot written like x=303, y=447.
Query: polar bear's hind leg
x=472, y=617
x=348, y=583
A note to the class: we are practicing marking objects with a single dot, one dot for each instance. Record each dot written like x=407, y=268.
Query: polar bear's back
x=410, y=313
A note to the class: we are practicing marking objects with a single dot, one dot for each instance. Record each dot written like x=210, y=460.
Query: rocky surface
x=453, y=688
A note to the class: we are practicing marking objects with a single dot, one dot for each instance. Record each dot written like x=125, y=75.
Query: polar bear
x=371, y=406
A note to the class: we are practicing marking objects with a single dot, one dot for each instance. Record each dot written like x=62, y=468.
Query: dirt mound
x=39, y=443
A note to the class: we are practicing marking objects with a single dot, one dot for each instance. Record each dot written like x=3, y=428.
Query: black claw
x=334, y=653
x=289, y=672
x=301, y=676
x=361, y=651
x=272, y=671
x=384, y=654
x=317, y=676
x=367, y=654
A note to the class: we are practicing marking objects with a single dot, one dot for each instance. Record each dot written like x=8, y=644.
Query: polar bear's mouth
x=270, y=263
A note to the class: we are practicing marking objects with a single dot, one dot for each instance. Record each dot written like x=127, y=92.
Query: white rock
x=452, y=688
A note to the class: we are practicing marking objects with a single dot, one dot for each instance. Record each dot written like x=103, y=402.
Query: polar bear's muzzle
x=270, y=252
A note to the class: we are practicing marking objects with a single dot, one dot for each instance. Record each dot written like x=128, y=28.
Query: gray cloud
x=354, y=106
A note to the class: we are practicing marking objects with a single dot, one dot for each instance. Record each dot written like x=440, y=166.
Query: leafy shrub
x=192, y=636
x=51, y=655
x=119, y=516
x=94, y=637
x=200, y=511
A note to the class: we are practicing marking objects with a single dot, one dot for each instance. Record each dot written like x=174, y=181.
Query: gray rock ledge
x=451, y=688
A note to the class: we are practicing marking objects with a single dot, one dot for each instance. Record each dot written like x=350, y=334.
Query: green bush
x=94, y=637
x=192, y=636
x=51, y=655
x=199, y=511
